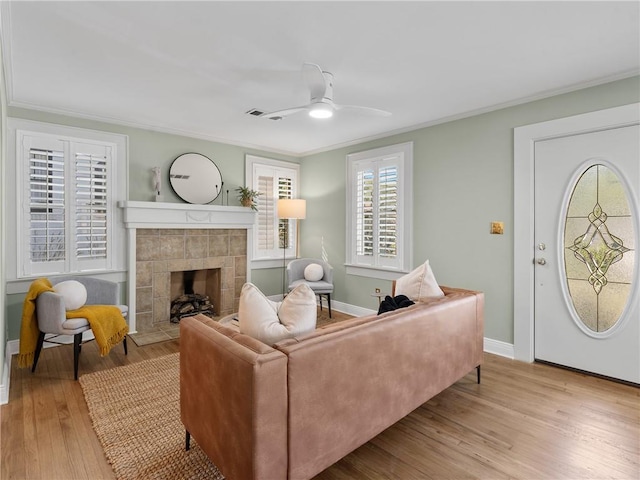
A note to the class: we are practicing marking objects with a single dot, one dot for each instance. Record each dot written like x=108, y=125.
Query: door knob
x=542, y=261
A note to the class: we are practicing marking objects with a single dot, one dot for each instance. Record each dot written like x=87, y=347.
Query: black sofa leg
x=187, y=441
x=38, y=350
x=478, y=371
x=77, y=345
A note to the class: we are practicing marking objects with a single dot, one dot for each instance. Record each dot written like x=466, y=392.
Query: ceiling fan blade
x=367, y=110
x=277, y=115
x=315, y=79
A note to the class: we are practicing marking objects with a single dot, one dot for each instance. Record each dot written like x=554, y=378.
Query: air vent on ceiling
x=257, y=113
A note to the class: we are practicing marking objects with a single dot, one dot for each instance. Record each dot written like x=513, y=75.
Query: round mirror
x=195, y=178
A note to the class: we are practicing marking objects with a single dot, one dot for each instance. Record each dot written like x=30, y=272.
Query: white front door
x=587, y=313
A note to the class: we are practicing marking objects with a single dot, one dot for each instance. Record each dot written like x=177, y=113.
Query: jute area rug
x=135, y=412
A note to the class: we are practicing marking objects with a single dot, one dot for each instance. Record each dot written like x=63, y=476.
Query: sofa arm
x=233, y=399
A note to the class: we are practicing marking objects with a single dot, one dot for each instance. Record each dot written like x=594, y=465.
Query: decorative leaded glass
x=599, y=251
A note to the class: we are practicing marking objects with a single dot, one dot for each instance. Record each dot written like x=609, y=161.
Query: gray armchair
x=51, y=315
x=324, y=286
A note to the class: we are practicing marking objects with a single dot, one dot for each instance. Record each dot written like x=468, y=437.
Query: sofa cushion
x=73, y=293
x=419, y=285
x=270, y=321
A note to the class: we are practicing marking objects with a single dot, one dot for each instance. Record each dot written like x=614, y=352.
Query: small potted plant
x=248, y=197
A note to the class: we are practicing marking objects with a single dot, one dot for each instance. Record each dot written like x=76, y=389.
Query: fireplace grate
x=191, y=304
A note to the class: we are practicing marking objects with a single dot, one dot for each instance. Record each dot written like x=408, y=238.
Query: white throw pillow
x=270, y=321
x=313, y=272
x=73, y=292
x=419, y=285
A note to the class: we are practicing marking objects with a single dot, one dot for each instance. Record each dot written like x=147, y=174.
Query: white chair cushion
x=73, y=292
x=75, y=324
x=419, y=285
x=270, y=321
x=313, y=272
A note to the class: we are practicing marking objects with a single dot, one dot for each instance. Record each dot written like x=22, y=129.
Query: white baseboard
x=497, y=347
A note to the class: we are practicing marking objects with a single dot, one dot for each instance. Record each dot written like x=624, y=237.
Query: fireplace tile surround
x=172, y=237
x=163, y=251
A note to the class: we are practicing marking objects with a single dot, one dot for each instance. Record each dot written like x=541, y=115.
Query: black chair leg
x=124, y=342
x=320, y=300
x=187, y=441
x=38, y=350
x=329, y=302
x=77, y=344
x=478, y=370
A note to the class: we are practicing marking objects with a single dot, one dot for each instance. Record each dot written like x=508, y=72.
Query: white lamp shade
x=292, y=208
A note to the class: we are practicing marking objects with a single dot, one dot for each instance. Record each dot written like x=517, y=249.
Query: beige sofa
x=292, y=410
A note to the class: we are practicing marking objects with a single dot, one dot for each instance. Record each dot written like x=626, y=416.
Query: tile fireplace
x=167, y=239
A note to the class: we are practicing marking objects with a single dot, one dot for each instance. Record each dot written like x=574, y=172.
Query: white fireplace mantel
x=139, y=215
x=182, y=215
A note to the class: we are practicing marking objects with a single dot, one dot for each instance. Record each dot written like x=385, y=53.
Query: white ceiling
x=195, y=68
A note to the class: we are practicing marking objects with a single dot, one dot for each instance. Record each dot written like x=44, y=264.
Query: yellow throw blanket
x=107, y=323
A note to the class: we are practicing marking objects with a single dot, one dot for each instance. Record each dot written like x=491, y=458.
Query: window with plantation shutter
x=66, y=196
x=364, y=212
x=47, y=226
x=91, y=177
x=266, y=234
x=274, y=180
x=379, y=205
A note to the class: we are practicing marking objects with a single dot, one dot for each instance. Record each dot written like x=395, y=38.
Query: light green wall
x=463, y=180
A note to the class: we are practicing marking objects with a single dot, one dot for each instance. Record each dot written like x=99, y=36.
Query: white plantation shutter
x=46, y=227
x=91, y=213
x=66, y=205
x=274, y=180
x=378, y=206
x=388, y=211
x=364, y=211
x=266, y=205
x=285, y=191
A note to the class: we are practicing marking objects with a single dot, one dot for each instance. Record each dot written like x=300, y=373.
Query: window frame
x=253, y=164
x=19, y=131
x=379, y=267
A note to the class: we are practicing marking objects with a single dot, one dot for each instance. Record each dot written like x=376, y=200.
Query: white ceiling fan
x=321, y=104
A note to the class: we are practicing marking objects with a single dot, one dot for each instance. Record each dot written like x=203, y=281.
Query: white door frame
x=524, y=139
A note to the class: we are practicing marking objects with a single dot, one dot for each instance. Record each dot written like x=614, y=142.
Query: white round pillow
x=313, y=272
x=73, y=292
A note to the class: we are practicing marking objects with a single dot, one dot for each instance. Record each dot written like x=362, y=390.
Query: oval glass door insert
x=599, y=253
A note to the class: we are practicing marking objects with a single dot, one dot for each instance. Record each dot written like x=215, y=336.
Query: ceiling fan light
x=321, y=110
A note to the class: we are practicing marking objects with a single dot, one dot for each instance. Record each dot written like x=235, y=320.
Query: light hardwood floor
x=525, y=421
